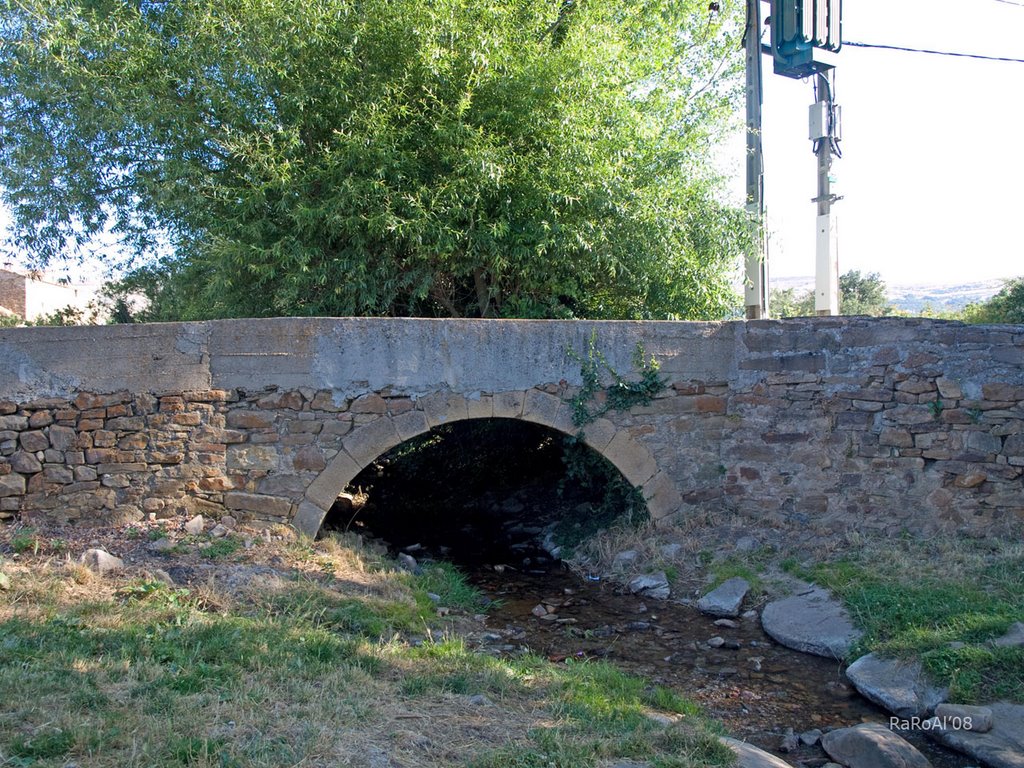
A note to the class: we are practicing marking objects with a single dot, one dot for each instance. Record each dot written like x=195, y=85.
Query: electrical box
x=805, y=34
x=818, y=122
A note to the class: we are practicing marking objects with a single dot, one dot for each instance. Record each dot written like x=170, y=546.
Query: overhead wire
x=933, y=52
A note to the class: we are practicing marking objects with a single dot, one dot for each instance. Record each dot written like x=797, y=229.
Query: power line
x=936, y=53
x=1011, y=2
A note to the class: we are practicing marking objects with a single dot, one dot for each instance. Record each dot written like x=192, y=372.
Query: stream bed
x=755, y=686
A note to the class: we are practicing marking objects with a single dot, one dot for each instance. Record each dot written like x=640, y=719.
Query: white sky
x=933, y=159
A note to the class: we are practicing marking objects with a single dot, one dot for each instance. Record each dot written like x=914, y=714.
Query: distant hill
x=914, y=298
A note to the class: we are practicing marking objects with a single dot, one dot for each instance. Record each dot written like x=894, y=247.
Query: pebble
x=716, y=642
x=790, y=741
x=195, y=526
x=727, y=623
x=811, y=737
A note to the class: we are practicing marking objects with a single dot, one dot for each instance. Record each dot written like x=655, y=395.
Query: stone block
x=369, y=403
x=481, y=407
x=599, y=433
x=308, y=518
x=252, y=457
x=270, y=506
x=443, y=407
x=332, y=481
x=631, y=458
x=1002, y=392
x=25, y=462
x=309, y=458
x=409, y=425
x=662, y=496
x=371, y=440
x=540, y=407
x=15, y=423
x=508, y=405
x=291, y=400
x=12, y=485
x=34, y=440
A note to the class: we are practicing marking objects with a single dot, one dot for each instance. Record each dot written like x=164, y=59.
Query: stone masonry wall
x=823, y=425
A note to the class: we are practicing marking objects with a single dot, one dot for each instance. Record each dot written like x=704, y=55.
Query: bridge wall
x=825, y=425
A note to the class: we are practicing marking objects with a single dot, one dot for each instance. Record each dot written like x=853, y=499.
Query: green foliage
x=616, y=501
x=858, y=295
x=863, y=294
x=922, y=616
x=594, y=399
x=1007, y=306
x=448, y=583
x=380, y=157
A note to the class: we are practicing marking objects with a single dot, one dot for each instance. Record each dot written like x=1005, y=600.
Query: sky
x=932, y=173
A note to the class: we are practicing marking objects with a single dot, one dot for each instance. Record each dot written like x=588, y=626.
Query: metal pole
x=756, y=264
x=826, y=282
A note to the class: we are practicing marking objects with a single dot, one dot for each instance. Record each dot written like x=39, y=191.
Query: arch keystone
x=508, y=405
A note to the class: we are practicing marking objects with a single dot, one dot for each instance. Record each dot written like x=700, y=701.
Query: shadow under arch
x=366, y=443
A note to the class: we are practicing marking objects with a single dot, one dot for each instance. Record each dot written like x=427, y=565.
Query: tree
x=863, y=294
x=452, y=157
x=858, y=295
x=1007, y=306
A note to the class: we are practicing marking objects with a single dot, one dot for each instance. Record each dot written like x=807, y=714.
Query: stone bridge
x=833, y=423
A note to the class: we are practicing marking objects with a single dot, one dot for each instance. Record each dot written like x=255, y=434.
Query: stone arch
x=364, y=444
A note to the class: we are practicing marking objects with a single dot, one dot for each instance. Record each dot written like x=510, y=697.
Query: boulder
x=1001, y=747
x=725, y=599
x=100, y=561
x=872, y=745
x=898, y=685
x=964, y=717
x=811, y=621
x=749, y=756
x=1014, y=636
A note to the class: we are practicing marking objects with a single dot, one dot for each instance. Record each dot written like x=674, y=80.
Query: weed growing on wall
x=622, y=393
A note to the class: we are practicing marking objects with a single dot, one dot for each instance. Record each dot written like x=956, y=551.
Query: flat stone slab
x=811, y=621
x=652, y=585
x=1001, y=747
x=898, y=685
x=872, y=745
x=749, y=756
x=726, y=598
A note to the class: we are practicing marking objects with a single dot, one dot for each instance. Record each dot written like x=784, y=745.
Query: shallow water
x=756, y=687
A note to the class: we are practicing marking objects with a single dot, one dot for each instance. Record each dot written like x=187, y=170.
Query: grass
x=912, y=602
x=347, y=658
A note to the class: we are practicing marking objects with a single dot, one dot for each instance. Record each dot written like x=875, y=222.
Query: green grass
x=136, y=673
x=915, y=609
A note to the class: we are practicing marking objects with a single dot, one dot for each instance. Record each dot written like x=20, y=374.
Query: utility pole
x=756, y=282
x=806, y=36
x=824, y=130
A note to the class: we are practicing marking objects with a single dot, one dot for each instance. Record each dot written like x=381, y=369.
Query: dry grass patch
x=333, y=657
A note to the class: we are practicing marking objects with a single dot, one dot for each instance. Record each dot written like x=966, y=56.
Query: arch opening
x=487, y=491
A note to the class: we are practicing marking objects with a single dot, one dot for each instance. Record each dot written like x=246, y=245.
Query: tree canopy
x=858, y=295
x=532, y=158
x=1007, y=306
